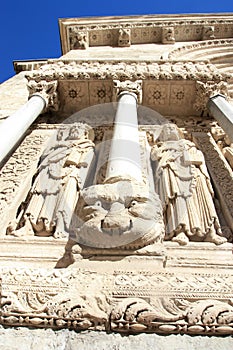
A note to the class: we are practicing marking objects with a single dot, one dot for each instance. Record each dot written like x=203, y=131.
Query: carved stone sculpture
x=167, y=315
x=123, y=213
x=168, y=35
x=183, y=184
x=124, y=39
x=54, y=193
x=78, y=39
x=208, y=33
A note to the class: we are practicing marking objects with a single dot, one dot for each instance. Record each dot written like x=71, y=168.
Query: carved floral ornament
x=202, y=71
x=46, y=80
x=77, y=299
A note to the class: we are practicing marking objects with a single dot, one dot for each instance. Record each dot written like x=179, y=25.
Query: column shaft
x=124, y=158
x=15, y=126
x=222, y=111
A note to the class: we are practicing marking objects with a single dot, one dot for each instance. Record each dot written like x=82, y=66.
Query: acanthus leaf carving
x=46, y=89
x=166, y=315
x=129, y=86
x=205, y=90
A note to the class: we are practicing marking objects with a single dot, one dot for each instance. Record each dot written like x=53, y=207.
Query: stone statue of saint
x=183, y=184
x=62, y=172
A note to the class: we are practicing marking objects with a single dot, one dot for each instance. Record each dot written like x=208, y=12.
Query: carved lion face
x=118, y=214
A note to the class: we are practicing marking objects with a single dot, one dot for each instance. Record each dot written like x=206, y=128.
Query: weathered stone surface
x=47, y=339
x=76, y=294
x=13, y=94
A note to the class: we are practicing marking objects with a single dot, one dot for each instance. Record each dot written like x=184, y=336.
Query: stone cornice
x=193, y=71
x=101, y=31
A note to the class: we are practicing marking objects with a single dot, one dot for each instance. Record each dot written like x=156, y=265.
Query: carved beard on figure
x=119, y=214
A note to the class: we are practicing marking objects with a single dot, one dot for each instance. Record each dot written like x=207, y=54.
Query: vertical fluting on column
x=124, y=158
x=15, y=126
x=222, y=111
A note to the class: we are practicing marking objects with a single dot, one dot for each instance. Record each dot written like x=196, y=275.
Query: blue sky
x=29, y=28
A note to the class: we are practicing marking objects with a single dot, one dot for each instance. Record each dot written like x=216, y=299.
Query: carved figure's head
x=80, y=130
x=118, y=214
x=170, y=132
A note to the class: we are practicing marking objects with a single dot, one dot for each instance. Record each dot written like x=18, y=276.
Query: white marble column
x=124, y=158
x=14, y=127
x=222, y=111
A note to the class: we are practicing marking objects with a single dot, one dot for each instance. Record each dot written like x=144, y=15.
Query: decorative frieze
x=131, y=70
x=177, y=96
x=150, y=29
x=123, y=301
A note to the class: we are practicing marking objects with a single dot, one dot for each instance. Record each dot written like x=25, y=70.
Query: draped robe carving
x=184, y=187
x=61, y=174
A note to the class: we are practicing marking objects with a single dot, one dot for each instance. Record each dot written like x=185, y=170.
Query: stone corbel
x=127, y=85
x=168, y=35
x=78, y=39
x=204, y=91
x=208, y=33
x=124, y=38
x=46, y=89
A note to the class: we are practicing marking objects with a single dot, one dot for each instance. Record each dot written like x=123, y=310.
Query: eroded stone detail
x=207, y=90
x=16, y=172
x=82, y=299
x=223, y=141
x=61, y=174
x=129, y=86
x=173, y=316
x=200, y=45
x=208, y=33
x=149, y=30
x=78, y=39
x=124, y=38
x=128, y=71
x=220, y=171
x=119, y=214
x=183, y=184
x=168, y=35
x=47, y=89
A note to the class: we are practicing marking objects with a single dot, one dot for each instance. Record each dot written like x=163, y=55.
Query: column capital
x=132, y=87
x=209, y=90
x=47, y=90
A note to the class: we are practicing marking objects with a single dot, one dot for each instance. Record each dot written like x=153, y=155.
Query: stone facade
x=116, y=204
